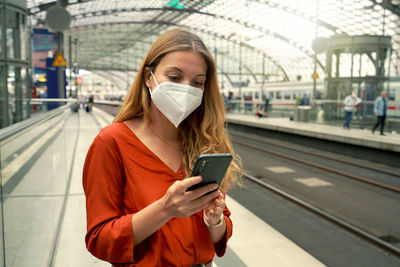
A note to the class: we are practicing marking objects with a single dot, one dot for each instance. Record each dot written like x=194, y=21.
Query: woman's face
x=184, y=67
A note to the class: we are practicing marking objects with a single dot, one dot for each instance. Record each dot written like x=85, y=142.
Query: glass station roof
x=269, y=40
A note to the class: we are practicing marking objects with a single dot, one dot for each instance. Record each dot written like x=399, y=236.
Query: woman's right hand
x=181, y=203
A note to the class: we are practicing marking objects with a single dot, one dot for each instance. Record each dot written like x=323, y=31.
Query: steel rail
x=306, y=162
x=354, y=229
x=318, y=155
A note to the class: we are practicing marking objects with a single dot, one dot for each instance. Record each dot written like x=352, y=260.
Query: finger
x=208, y=213
x=217, y=206
x=204, y=201
x=210, y=208
x=218, y=210
x=219, y=203
x=211, y=213
x=209, y=216
x=197, y=208
x=198, y=192
x=188, y=182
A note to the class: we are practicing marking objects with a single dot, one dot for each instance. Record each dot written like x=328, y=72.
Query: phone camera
x=202, y=165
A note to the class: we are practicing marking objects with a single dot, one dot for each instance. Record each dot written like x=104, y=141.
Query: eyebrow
x=178, y=69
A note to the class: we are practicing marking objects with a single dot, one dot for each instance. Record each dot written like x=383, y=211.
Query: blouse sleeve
x=220, y=247
x=109, y=232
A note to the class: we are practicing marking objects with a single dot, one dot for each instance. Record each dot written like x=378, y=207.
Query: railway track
x=387, y=246
x=378, y=241
x=320, y=166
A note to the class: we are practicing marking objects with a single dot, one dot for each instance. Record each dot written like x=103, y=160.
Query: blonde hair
x=203, y=131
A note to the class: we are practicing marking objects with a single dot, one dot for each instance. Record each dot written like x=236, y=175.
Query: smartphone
x=212, y=168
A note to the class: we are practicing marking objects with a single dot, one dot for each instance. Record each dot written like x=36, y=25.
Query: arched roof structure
x=257, y=40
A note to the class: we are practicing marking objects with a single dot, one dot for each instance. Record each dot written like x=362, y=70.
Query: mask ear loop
x=154, y=80
x=154, y=77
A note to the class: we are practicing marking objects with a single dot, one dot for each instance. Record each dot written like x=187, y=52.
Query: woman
x=136, y=171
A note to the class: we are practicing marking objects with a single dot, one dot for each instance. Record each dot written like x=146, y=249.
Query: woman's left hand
x=213, y=213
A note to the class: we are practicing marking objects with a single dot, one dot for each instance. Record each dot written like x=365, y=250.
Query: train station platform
x=45, y=221
x=358, y=137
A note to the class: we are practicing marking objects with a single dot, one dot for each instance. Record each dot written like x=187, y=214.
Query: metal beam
x=105, y=12
x=279, y=66
x=43, y=7
x=299, y=13
x=387, y=4
x=269, y=32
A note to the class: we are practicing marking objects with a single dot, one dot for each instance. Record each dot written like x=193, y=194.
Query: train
x=285, y=96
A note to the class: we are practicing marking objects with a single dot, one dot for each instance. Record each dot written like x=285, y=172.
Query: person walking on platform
x=135, y=177
x=350, y=102
x=380, y=109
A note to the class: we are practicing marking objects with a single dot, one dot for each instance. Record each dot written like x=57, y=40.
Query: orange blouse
x=121, y=176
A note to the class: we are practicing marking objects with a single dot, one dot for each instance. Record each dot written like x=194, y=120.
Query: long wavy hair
x=203, y=131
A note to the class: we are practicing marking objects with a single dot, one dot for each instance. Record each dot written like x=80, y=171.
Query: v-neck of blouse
x=175, y=173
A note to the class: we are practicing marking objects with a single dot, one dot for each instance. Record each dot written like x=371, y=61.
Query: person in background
x=350, y=102
x=380, y=109
x=305, y=100
x=266, y=104
x=90, y=103
x=260, y=112
x=135, y=177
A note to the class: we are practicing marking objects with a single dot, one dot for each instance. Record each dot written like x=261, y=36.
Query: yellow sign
x=42, y=78
x=315, y=75
x=59, y=61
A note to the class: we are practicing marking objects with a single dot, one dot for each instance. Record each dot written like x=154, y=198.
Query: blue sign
x=43, y=42
x=52, y=82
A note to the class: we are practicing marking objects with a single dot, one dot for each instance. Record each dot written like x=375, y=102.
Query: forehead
x=188, y=61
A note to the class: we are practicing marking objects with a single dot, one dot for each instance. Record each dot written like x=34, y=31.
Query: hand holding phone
x=212, y=169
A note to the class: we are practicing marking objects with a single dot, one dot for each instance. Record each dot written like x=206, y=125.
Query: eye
x=173, y=78
x=198, y=83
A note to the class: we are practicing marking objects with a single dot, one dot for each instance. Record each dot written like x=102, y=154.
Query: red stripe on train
x=340, y=105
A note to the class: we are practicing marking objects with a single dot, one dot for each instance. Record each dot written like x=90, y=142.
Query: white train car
x=393, y=89
x=284, y=96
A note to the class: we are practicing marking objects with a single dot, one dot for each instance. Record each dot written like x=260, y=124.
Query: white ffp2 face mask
x=176, y=101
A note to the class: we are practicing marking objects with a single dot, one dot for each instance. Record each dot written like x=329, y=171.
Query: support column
x=4, y=118
x=60, y=76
